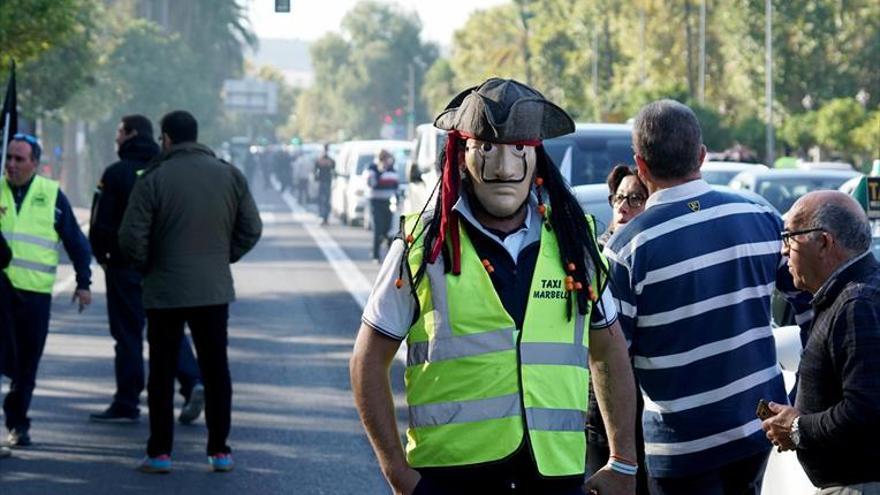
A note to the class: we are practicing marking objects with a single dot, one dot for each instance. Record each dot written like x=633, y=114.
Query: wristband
x=623, y=468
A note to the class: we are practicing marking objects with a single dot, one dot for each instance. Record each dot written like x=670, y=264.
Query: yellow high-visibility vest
x=31, y=235
x=475, y=385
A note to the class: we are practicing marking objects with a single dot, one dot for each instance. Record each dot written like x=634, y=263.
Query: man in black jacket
x=835, y=423
x=136, y=148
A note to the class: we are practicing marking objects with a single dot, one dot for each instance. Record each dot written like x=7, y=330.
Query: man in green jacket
x=189, y=217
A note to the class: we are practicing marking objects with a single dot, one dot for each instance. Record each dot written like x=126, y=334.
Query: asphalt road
x=294, y=425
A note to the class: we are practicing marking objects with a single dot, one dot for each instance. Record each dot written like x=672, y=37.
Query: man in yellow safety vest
x=35, y=217
x=500, y=293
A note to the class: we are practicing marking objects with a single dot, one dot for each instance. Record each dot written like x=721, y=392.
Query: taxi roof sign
x=873, y=203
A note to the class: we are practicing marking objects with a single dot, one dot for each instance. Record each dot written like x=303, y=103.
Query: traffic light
x=282, y=5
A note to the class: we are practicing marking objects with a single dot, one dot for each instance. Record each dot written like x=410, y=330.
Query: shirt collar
x=531, y=227
x=690, y=189
x=829, y=282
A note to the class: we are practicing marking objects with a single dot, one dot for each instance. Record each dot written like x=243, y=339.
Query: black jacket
x=111, y=198
x=839, y=386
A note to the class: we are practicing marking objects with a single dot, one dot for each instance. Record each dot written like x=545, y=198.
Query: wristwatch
x=795, y=432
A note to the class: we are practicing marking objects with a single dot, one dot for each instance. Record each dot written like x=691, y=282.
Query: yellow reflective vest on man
x=476, y=385
x=31, y=234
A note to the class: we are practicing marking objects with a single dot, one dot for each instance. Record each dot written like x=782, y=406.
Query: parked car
x=722, y=173
x=423, y=169
x=783, y=187
x=348, y=196
x=587, y=155
x=804, y=165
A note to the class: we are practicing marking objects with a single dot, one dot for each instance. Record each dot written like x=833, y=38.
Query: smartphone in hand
x=763, y=412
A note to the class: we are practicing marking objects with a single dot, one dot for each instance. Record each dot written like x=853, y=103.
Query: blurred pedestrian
x=135, y=146
x=281, y=162
x=325, y=171
x=189, y=216
x=626, y=195
x=36, y=215
x=835, y=424
x=6, y=342
x=694, y=274
x=382, y=185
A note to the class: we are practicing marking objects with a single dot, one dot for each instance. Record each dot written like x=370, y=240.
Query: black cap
x=504, y=111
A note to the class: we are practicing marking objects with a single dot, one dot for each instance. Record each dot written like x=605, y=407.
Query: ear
x=702, y=154
x=642, y=168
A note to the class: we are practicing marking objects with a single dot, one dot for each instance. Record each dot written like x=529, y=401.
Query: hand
x=404, y=480
x=84, y=296
x=778, y=426
x=609, y=482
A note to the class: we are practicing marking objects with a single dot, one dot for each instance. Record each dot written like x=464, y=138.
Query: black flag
x=10, y=106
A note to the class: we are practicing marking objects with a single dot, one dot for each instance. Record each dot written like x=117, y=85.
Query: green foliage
x=54, y=43
x=798, y=131
x=835, y=122
x=866, y=138
x=363, y=75
x=439, y=87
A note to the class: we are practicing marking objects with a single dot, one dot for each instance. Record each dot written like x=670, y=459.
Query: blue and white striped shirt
x=693, y=275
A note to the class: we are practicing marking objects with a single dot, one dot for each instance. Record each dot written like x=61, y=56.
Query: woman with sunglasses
x=627, y=196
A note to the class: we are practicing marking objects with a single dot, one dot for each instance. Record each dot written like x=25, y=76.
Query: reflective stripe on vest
x=466, y=361
x=31, y=234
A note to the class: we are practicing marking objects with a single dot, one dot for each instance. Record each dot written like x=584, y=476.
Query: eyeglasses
x=787, y=235
x=634, y=200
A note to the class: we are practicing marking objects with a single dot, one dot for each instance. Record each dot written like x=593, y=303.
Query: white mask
x=501, y=174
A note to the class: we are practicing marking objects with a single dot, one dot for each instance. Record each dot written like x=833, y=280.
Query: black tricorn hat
x=504, y=111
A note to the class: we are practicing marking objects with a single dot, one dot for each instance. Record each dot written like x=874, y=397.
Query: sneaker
x=160, y=464
x=112, y=415
x=193, y=407
x=221, y=463
x=5, y=452
x=18, y=438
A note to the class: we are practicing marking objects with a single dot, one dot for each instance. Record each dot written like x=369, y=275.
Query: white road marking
x=349, y=274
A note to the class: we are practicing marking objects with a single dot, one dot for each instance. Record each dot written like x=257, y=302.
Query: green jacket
x=189, y=216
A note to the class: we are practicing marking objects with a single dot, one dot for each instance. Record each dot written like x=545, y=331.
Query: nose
x=784, y=250
x=508, y=167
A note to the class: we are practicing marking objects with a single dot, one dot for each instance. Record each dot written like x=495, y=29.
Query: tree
x=835, y=122
x=363, y=75
x=439, y=87
x=866, y=138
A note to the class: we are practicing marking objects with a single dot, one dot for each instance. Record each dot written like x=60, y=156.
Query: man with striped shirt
x=693, y=275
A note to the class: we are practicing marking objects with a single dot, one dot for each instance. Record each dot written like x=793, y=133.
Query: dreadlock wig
x=507, y=112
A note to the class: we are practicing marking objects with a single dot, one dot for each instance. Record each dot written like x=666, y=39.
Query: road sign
x=250, y=96
x=282, y=5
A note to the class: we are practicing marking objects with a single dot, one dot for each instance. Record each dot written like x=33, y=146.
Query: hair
x=180, y=126
x=667, y=135
x=620, y=172
x=566, y=218
x=850, y=227
x=36, y=149
x=139, y=124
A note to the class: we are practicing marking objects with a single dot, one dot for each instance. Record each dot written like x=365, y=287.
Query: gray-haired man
x=835, y=423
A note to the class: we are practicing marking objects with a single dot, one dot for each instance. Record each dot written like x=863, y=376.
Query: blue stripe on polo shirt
x=693, y=275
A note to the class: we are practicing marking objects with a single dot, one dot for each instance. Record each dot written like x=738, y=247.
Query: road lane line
x=349, y=274
x=346, y=270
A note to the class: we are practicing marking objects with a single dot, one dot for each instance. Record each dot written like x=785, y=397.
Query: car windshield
x=782, y=193
x=592, y=156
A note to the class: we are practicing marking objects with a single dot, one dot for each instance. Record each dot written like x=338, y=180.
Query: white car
x=722, y=173
x=348, y=196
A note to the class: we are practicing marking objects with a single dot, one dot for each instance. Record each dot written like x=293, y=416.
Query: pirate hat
x=504, y=111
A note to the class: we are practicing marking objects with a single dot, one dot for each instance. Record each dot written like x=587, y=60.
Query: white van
x=423, y=168
x=348, y=196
